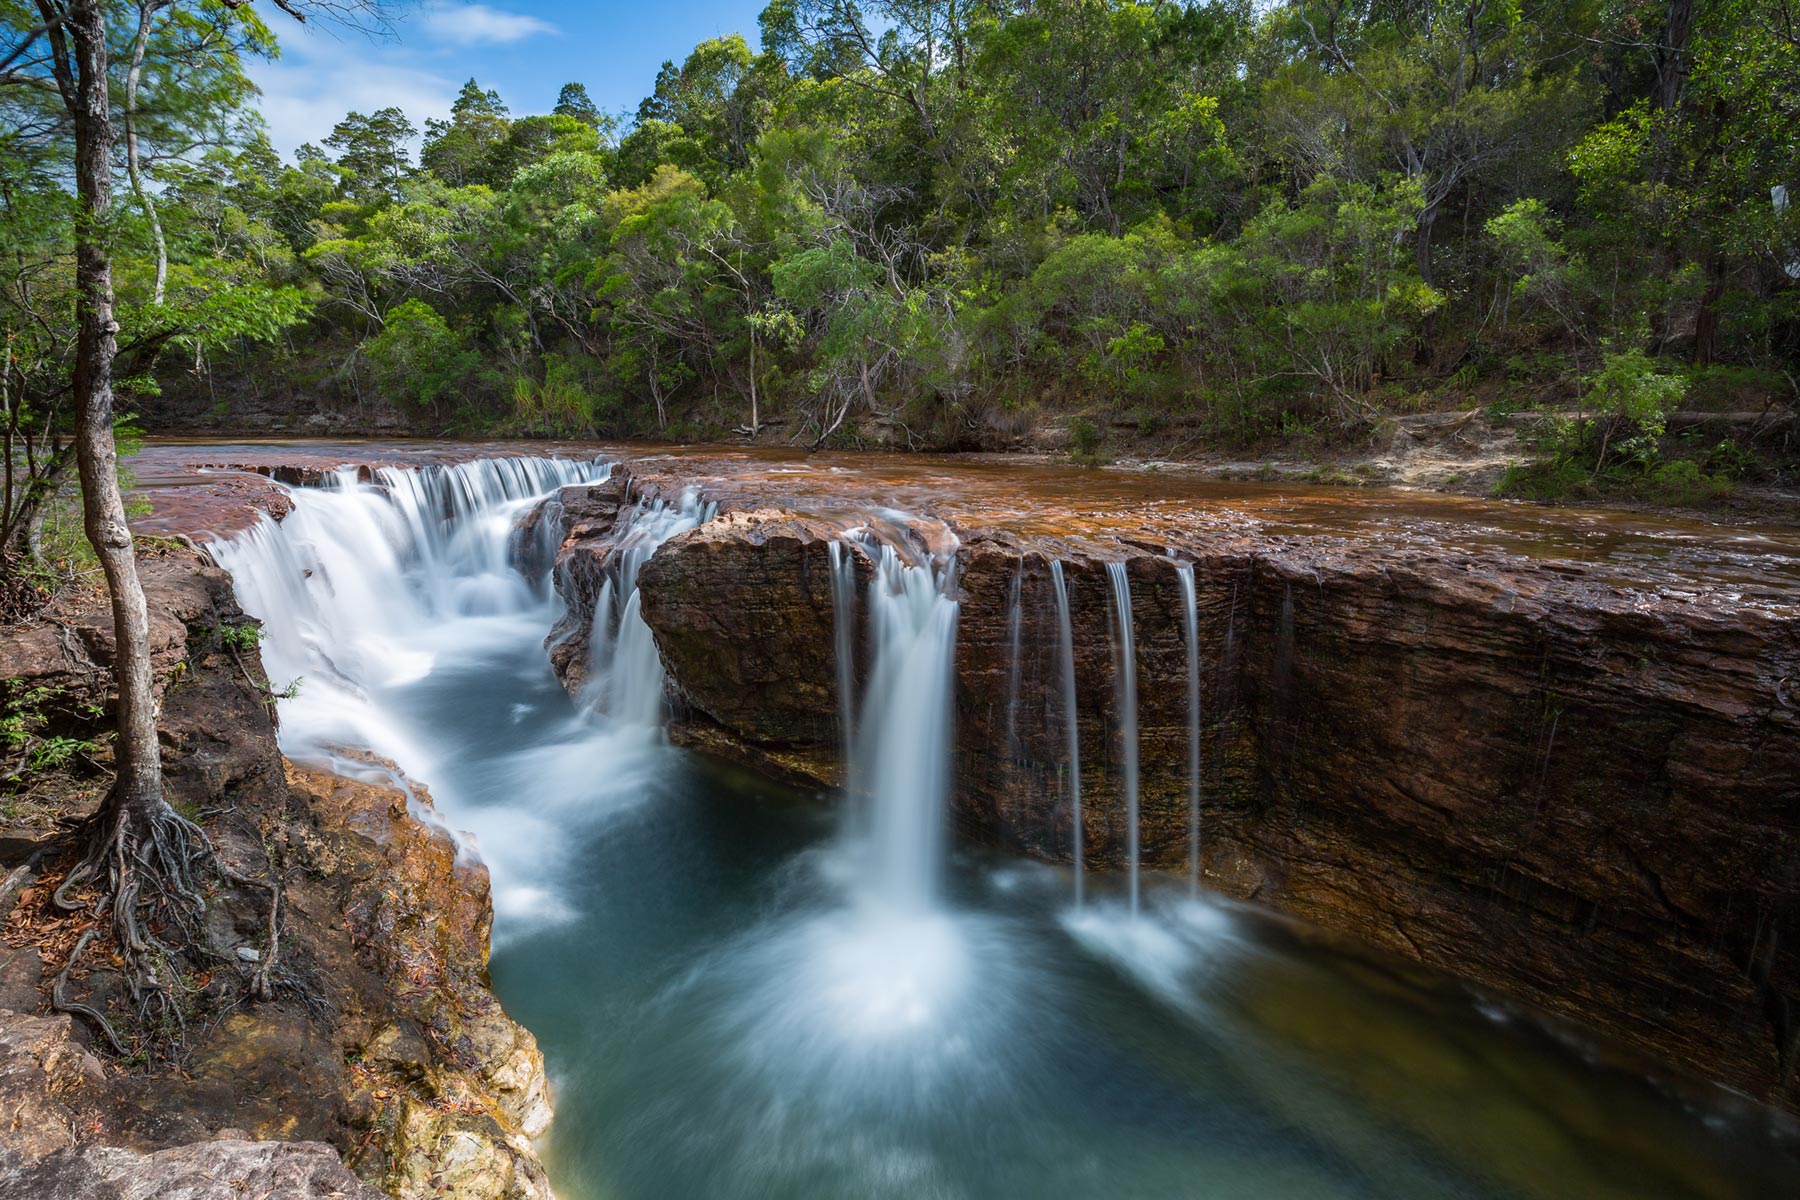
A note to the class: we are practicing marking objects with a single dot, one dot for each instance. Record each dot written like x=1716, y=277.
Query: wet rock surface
x=383, y=1048
x=228, y=1169
x=583, y=519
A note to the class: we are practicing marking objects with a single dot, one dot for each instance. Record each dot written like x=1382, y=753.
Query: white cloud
x=320, y=77
x=478, y=24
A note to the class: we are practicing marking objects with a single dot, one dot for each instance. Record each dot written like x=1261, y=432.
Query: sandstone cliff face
x=1582, y=795
x=382, y=1046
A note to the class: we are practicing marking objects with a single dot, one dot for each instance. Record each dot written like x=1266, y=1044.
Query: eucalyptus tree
x=1445, y=93
x=137, y=851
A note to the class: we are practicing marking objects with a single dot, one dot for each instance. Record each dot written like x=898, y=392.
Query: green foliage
x=418, y=355
x=1085, y=440
x=1633, y=397
x=896, y=218
x=27, y=747
x=559, y=406
x=241, y=637
x=1615, y=446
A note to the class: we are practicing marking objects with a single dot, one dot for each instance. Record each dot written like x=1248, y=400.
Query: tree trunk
x=1672, y=54
x=1706, y=321
x=24, y=529
x=137, y=791
x=1428, y=327
x=1427, y=227
x=755, y=417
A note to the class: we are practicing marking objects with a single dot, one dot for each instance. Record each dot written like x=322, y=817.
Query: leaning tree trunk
x=138, y=792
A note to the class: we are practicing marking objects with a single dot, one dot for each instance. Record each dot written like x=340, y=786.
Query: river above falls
x=204, y=485
x=725, y=1015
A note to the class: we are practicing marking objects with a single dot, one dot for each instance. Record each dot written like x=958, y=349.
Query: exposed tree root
x=61, y=1003
x=149, y=868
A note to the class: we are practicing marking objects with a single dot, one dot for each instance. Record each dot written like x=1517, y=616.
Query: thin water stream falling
x=1125, y=650
x=843, y=624
x=1065, y=643
x=900, y=762
x=739, y=999
x=1190, y=618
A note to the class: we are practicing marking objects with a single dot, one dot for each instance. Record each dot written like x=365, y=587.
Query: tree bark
x=137, y=791
x=1672, y=54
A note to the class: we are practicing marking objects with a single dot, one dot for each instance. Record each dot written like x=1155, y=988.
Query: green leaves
x=418, y=356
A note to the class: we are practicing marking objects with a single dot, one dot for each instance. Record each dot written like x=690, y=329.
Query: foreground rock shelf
x=384, y=1059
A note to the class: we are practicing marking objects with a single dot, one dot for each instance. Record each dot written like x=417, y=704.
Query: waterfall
x=1190, y=611
x=900, y=761
x=625, y=672
x=1126, y=649
x=1071, y=719
x=843, y=626
x=351, y=583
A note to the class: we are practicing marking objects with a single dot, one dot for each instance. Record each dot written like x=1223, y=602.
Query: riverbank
x=382, y=1047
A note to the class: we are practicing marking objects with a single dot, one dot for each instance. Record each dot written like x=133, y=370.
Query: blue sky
x=527, y=49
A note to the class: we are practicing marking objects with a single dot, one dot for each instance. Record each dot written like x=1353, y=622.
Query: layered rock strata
x=1578, y=793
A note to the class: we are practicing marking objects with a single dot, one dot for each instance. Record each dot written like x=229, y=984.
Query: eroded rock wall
x=1582, y=795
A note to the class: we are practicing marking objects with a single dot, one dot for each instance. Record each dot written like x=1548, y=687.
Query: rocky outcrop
x=584, y=518
x=1580, y=794
x=449, y=1090
x=227, y=1169
x=382, y=1048
x=754, y=672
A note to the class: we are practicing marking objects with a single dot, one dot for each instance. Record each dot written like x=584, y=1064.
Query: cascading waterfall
x=1071, y=719
x=900, y=762
x=1190, y=615
x=625, y=672
x=1126, y=648
x=347, y=581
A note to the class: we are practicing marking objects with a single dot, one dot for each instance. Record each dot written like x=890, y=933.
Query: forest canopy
x=917, y=223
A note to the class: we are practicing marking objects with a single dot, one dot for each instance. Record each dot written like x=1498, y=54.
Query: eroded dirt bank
x=383, y=1065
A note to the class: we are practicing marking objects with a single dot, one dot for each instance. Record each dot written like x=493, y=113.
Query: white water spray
x=351, y=582
x=1125, y=645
